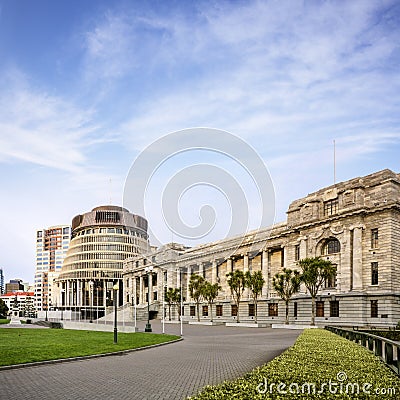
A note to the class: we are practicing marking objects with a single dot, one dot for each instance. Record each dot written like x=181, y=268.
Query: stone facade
x=354, y=224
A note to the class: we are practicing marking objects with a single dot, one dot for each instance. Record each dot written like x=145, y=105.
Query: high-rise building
x=1, y=281
x=51, y=248
x=101, y=240
x=15, y=285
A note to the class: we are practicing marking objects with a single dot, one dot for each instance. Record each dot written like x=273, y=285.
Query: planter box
x=173, y=321
x=249, y=324
x=284, y=326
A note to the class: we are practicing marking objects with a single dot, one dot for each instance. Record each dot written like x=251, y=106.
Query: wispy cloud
x=41, y=128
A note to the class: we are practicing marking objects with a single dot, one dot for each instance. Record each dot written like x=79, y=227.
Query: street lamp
x=148, y=271
x=91, y=283
x=115, y=288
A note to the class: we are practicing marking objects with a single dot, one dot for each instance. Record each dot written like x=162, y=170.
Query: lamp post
x=91, y=283
x=115, y=288
x=148, y=271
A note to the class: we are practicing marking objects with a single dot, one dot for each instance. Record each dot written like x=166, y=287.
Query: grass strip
x=4, y=321
x=320, y=365
x=18, y=345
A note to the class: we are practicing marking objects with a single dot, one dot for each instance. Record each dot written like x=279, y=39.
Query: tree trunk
x=255, y=309
x=169, y=311
x=211, y=317
x=313, y=310
x=198, y=312
x=287, y=312
x=237, y=319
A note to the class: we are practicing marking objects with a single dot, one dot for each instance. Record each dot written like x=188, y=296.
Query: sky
x=87, y=86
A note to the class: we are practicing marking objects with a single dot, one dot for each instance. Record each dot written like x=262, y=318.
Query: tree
x=196, y=285
x=315, y=272
x=177, y=301
x=255, y=283
x=3, y=309
x=210, y=293
x=170, y=298
x=286, y=285
x=237, y=282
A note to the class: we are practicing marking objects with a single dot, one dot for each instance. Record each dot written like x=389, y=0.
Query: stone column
x=141, y=290
x=245, y=262
x=104, y=293
x=303, y=247
x=67, y=294
x=214, y=272
x=229, y=265
x=265, y=273
x=357, y=259
x=78, y=294
x=150, y=286
x=201, y=269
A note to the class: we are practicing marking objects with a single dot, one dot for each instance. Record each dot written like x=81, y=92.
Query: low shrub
x=320, y=365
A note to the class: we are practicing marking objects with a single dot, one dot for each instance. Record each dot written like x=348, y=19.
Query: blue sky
x=87, y=85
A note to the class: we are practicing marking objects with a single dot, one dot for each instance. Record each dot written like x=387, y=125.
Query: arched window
x=331, y=246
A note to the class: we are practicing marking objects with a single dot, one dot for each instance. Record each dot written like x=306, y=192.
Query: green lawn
x=20, y=345
x=320, y=365
x=4, y=321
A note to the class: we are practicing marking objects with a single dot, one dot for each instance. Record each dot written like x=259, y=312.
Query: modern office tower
x=101, y=240
x=15, y=285
x=51, y=249
x=1, y=281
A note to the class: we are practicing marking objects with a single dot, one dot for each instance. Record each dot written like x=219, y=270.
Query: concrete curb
x=61, y=360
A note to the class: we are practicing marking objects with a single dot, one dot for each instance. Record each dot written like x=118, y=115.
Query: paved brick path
x=207, y=355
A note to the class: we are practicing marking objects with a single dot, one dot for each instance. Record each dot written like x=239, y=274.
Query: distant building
x=14, y=285
x=101, y=240
x=51, y=249
x=24, y=300
x=1, y=282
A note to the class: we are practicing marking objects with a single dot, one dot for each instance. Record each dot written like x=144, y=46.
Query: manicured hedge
x=334, y=366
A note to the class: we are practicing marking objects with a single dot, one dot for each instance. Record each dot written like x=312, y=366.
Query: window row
x=109, y=239
x=272, y=310
x=94, y=265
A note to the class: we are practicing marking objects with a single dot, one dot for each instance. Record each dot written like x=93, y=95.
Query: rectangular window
x=374, y=308
x=234, y=310
x=374, y=273
x=334, y=306
x=331, y=281
x=155, y=296
x=205, y=311
x=273, y=310
x=218, y=312
x=295, y=309
x=331, y=207
x=374, y=239
x=252, y=310
x=192, y=311
x=319, y=308
x=297, y=252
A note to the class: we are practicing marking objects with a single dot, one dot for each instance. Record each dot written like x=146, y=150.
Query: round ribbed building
x=100, y=242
